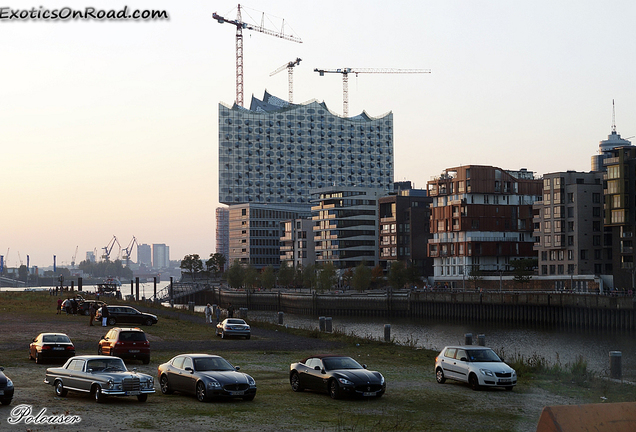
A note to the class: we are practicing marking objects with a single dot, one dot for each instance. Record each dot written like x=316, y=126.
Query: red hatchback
x=125, y=343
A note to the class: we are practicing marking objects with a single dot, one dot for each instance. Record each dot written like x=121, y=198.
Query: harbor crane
x=240, y=25
x=109, y=247
x=128, y=250
x=345, y=79
x=74, y=256
x=290, y=72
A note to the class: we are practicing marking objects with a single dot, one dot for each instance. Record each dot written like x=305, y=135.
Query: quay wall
x=565, y=310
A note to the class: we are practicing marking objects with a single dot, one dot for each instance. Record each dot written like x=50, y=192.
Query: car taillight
x=46, y=347
x=146, y=343
x=70, y=347
x=435, y=359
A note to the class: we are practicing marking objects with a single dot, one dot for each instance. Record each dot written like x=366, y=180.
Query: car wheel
x=30, y=356
x=249, y=398
x=6, y=401
x=99, y=396
x=201, y=396
x=473, y=382
x=164, y=385
x=334, y=389
x=99, y=351
x=112, y=321
x=247, y=337
x=439, y=376
x=142, y=397
x=294, y=380
x=145, y=360
x=38, y=359
x=148, y=322
x=60, y=391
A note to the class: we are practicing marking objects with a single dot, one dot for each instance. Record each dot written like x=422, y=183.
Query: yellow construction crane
x=345, y=79
x=290, y=72
x=240, y=25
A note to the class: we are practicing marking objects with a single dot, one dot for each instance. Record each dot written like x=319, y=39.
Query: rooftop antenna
x=613, y=117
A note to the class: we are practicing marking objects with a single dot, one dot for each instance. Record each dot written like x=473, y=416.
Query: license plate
x=237, y=393
x=133, y=351
x=133, y=393
x=505, y=381
x=58, y=348
x=368, y=394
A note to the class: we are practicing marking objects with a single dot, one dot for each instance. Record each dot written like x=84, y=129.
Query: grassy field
x=413, y=401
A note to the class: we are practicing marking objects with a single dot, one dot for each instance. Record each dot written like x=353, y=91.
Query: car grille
x=503, y=375
x=131, y=384
x=236, y=387
x=369, y=388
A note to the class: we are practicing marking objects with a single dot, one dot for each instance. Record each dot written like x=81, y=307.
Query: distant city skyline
x=111, y=127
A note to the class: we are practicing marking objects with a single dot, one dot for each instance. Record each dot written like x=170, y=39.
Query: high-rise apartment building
x=297, y=246
x=481, y=218
x=277, y=152
x=223, y=232
x=568, y=226
x=144, y=255
x=160, y=256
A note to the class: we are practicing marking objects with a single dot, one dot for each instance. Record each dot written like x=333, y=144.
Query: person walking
x=104, y=315
x=91, y=310
x=208, y=314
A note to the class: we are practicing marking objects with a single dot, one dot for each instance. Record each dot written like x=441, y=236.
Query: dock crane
x=240, y=25
x=74, y=256
x=109, y=247
x=128, y=250
x=345, y=79
x=290, y=72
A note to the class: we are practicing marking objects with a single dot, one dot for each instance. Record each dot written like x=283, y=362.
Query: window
x=544, y=269
x=547, y=212
x=552, y=269
x=598, y=253
x=546, y=197
x=570, y=240
x=547, y=183
x=583, y=254
x=547, y=226
x=612, y=187
x=596, y=226
x=570, y=226
x=570, y=212
x=544, y=255
x=618, y=216
x=570, y=255
x=570, y=198
x=596, y=240
x=596, y=211
x=596, y=198
x=560, y=269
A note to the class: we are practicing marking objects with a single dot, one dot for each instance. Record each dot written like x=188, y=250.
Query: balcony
x=627, y=250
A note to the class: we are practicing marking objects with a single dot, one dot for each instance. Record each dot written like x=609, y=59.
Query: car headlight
x=487, y=372
x=110, y=383
x=381, y=379
x=214, y=384
x=9, y=383
x=345, y=381
x=250, y=380
x=514, y=373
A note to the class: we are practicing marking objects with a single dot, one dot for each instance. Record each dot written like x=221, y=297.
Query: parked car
x=478, y=366
x=125, y=343
x=101, y=376
x=51, y=346
x=205, y=376
x=126, y=314
x=336, y=375
x=85, y=305
x=6, y=388
x=233, y=327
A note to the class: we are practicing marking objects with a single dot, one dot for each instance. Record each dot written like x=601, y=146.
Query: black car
x=126, y=314
x=84, y=307
x=336, y=375
x=205, y=376
x=51, y=346
x=6, y=388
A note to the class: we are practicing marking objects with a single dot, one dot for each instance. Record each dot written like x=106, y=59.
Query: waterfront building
x=160, y=256
x=569, y=230
x=405, y=228
x=605, y=147
x=620, y=212
x=144, y=255
x=223, y=233
x=346, y=226
x=481, y=219
x=255, y=232
x=90, y=256
x=277, y=152
x=297, y=246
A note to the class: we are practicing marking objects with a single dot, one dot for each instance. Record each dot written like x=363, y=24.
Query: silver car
x=233, y=327
x=476, y=365
x=101, y=376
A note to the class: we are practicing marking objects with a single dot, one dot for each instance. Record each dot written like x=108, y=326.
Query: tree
x=285, y=274
x=192, y=264
x=397, y=275
x=377, y=275
x=309, y=276
x=268, y=278
x=216, y=263
x=413, y=276
x=250, y=277
x=347, y=277
x=23, y=273
x=361, y=277
x=327, y=277
x=234, y=274
x=523, y=269
x=475, y=275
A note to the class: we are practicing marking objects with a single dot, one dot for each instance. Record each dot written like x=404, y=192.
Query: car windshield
x=56, y=338
x=106, y=365
x=235, y=321
x=483, y=355
x=332, y=363
x=212, y=364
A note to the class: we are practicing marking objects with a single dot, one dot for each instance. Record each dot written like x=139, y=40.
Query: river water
x=554, y=345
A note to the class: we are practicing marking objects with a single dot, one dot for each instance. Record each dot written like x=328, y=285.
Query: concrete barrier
x=604, y=417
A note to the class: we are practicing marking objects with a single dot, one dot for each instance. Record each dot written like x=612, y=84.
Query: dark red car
x=125, y=343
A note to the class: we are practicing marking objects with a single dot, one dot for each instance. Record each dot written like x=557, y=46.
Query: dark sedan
x=336, y=375
x=84, y=307
x=51, y=346
x=6, y=388
x=205, y=376
x=126, y=314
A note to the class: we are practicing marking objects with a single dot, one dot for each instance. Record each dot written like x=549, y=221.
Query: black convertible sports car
x=206, y=376
x=336, y=375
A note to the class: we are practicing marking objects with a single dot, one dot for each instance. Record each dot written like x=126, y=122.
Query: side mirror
x=237, y=368
x=189, y=369
x=323, y=371
x=316, y=367
x=364, y=366
x=463, y=359
x=1, y=368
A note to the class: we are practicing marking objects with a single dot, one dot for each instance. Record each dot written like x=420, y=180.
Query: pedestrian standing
x=208, y=314
x=230, y=311
x=59, y=305
x=104, y=315
x=217, y=312
x=91, y=310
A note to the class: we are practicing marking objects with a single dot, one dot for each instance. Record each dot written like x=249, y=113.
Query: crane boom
x=345, y=79
x=290, y=73
x=240, y=25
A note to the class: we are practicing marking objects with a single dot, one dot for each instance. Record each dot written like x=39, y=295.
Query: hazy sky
x=110, y=128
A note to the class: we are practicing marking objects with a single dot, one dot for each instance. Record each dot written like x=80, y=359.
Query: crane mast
x=240, y=25
x=290, y=73
x=345, y=79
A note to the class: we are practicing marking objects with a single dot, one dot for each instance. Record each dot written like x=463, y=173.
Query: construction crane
x=109, y=248
x=345, y=79
x=74, y=256
x=290, y=72
x=128, y=250
x=240, y=25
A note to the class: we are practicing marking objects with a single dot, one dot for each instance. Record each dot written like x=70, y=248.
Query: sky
x=110, y=128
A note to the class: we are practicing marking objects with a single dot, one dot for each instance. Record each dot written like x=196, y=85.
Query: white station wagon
x=478, y=366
